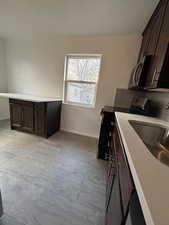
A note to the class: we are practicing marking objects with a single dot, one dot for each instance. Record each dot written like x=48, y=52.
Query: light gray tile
x=50, y=181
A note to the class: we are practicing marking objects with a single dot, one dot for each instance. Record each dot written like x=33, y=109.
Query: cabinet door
x=15, y=116
x=125, y=178
x=111, y=168
x=155, y=27
x=28, y=118
x=145, y=43
x=152, y=31
x=154, y=48
x=161, y=60
x=110, y=180
x=114, y=214
x=40, y=119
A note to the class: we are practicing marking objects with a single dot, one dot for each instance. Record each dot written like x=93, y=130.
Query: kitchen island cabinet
x=34, y=114
x=40, y=118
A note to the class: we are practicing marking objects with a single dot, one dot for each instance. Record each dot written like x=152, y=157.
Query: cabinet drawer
x=21, y=102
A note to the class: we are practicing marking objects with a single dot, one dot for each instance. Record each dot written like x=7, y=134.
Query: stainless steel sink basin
x=155, y=137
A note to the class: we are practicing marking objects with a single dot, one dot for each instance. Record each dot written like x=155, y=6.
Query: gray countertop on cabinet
x=27, y=97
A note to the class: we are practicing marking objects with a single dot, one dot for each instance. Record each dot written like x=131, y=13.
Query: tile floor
x=55, y=181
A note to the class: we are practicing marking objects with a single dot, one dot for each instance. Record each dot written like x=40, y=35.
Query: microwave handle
x=135, y=76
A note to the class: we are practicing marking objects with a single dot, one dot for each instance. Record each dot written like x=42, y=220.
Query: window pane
x=85, y=69
x=80, y=93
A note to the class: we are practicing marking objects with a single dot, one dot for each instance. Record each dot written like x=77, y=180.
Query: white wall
x=4, y=105
x=36, y=66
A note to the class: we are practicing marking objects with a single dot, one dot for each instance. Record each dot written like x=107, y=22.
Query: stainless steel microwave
x=139, y=73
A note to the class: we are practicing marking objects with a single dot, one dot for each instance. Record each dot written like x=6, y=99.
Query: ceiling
x=74, y=17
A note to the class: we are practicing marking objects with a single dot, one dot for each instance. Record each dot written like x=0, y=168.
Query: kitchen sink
x=155, y=137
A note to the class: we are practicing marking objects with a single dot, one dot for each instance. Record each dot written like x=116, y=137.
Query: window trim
x=76, y=81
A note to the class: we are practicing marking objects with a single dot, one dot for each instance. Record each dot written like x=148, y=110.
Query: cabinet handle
x=22, y=117
x=107, y=156
x=112, y=123
x=110, y=157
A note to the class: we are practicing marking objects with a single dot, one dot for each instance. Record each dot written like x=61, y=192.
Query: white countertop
x=151, y=177
x=28, y=97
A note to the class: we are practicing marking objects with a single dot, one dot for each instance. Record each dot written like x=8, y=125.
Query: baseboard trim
x=4, y=118
x=79, y=133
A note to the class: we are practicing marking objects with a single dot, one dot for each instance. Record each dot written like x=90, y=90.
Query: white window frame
x=75, y=81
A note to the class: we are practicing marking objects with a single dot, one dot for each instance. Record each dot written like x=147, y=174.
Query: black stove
x=139, y=106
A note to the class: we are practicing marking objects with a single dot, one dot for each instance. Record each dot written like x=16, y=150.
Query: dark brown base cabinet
x=120, y=184
x=40, y=118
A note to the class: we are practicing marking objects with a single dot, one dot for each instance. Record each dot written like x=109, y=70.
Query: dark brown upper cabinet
x=158, y=74
x=155, y=42
x=152, y=31
x=145, y=43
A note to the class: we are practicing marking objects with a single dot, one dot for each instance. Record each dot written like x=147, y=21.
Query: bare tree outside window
x=81, y=77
